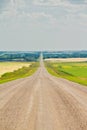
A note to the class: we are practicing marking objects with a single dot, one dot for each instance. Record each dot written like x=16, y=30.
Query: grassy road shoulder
x=73, y=71
x=20, y=73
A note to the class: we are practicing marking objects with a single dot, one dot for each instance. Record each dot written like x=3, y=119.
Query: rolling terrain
x=43, y=102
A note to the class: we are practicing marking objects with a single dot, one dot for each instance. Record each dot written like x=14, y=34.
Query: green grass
x=74, y=71
x=20, y=73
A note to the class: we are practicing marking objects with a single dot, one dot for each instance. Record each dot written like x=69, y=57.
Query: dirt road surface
x=43, y=102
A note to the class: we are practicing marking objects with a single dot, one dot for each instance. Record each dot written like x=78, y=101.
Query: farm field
x=16, y=70
x=66, y=59
x=11, y=66
x=74, y=71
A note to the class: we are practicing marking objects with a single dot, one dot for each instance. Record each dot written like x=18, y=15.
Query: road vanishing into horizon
x=43, y=102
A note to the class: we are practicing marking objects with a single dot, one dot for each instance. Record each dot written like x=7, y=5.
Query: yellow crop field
x=11, y=66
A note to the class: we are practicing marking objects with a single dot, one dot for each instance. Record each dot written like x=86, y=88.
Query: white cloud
x=19, y=3
x=48, y=2
x=17, y=8
x=83, y=15
x=41, y=16
x=12, y=7
x=66, y=4
x=83, y=19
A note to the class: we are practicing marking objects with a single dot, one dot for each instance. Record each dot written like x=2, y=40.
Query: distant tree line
x=19, y=56
x=34, y=56
x=65, y=54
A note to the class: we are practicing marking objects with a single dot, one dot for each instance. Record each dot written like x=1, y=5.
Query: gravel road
x=43, y=102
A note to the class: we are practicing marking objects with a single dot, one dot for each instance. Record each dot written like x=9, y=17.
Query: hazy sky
x=43, y=24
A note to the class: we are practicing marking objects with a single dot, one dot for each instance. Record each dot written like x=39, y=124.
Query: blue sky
x=43, y=24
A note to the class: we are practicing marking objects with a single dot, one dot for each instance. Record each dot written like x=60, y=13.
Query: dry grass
x=66, y=59
x=11, y=66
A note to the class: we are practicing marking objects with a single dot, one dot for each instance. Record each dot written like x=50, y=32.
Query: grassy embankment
x=73, y=71
x=27, y=69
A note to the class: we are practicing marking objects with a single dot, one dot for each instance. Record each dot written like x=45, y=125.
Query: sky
x=32, y=25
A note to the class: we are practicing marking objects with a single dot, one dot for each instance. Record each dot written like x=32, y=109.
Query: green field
x=19, y=73
x=74, y=71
